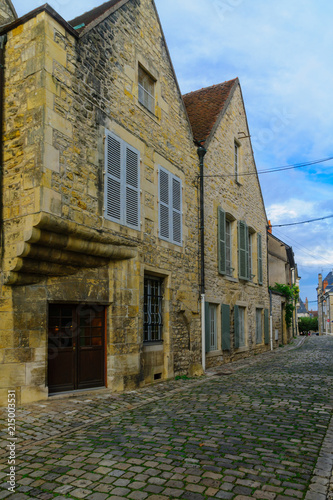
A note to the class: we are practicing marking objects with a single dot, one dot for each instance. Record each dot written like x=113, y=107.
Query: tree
x=307, y=324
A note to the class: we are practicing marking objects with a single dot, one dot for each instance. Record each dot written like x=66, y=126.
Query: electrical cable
x=277, y=169
x=302, y=222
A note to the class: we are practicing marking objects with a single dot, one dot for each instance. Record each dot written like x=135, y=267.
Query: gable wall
x=66, y=93
x=244, y=202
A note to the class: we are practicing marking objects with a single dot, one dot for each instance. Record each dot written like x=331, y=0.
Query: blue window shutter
x=259, y=251
x=207, y=327
x=236, y=327
x=132, y=186
x=164, y=204
x=176, y=210
x=243, y=251
x=225, y=322
x=221, y=241
x=266, y=326
x=113, y=164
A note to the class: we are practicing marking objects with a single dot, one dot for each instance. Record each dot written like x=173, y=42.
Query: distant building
x=325, y=304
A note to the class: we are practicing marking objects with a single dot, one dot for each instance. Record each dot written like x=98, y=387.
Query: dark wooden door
x=76, y=347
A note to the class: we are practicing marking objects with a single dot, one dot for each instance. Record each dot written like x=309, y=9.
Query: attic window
x=146, y=90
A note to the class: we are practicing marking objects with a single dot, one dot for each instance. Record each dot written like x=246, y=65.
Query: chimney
x=325, y=285
x=269, y=227
x=320, y=282
x=307, y=304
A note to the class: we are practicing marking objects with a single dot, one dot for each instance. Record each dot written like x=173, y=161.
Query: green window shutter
x=221, y=249
x=207, y=328
x=236, y=326
x=266, y=326
x=259, y=259
x=243, y=251
x=225, y=322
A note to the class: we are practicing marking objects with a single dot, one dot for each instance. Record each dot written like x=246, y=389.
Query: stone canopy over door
x=76, y=347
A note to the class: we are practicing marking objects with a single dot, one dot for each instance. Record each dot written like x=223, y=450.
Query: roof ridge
x=211, y=86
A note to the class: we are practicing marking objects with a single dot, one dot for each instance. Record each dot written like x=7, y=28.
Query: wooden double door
x=76, y=347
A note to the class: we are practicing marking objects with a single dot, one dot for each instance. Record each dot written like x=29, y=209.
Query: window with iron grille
x=146, y=90
x=153, y=319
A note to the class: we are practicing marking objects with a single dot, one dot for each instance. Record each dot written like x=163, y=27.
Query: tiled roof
x=204, y=107
x=91, y=15
x=301, y=309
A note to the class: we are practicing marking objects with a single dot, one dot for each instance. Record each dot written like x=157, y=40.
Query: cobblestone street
x=259, y=428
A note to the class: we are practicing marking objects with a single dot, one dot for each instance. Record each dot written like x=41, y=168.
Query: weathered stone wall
x=241, y=200
x=61, y=94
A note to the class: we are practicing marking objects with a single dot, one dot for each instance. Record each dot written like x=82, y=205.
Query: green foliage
x=291, y=293
x=307, y=324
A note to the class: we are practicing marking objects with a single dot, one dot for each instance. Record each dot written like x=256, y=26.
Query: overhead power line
x=277, y=169
x=302, y=222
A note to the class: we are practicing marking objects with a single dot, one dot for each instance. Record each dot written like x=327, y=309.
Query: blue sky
x=282, y=53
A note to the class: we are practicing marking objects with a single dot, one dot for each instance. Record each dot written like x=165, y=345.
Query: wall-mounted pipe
x=3, y=40
x=201, y=153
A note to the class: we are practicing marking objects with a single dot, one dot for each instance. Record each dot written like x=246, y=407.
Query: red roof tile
x=91, y=15
x=204, y=107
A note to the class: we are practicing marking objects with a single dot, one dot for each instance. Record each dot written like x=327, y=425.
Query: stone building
x=99, y=242
x=235, y=226
x=325, y=304
x=283, y=270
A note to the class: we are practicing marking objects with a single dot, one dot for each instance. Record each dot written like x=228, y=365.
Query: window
x=250, y=256
x=259, y=254
x=122, y=178
x=225, y=326
x=258, y=326
x=243, y=251
x=211, y=326
x=239, y=319
x=170, y=207
x=228, y=249
x=152, y=309
x=236, y=160
x=224, y=243
x=266, y=326
x=146, y=90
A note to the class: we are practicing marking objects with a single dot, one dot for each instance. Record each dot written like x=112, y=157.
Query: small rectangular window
x=146, y=90
x=213, y=327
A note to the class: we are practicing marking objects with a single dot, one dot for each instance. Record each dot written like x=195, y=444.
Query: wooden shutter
x=221, y=241
x=112, y=194
x=225, y=322
x=176, y=210
x=266, y=326
x=259, y=251
x=243, y=251
x=236, y=327
x=207, y=327
x=164, y=202
x=132, y=195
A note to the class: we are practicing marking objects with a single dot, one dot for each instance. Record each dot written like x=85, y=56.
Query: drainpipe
x=201, y=153
x=271, y=318
x=3, y=40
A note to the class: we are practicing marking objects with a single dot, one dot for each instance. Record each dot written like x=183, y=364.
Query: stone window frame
x=149, y=68
x=209, y=305
x=260, y=310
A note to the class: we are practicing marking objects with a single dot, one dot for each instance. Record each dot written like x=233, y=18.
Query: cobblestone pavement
x=259, y=428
